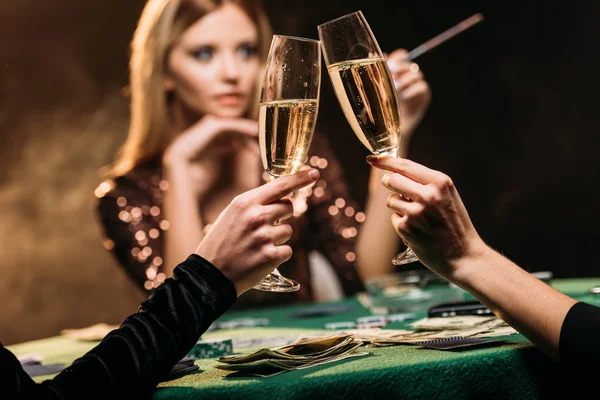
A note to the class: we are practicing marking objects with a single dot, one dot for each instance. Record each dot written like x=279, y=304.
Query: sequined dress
x=129, y=209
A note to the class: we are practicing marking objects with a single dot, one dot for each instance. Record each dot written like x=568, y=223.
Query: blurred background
x=513, y=121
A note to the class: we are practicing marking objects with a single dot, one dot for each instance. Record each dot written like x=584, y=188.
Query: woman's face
x=212, y=67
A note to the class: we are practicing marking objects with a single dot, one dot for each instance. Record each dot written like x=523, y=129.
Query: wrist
x=212, y=275
x=174, y=158
x=466, y=270
x=174, y=167
x=222, y=267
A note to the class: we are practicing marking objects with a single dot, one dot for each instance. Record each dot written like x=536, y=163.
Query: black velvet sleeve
x=133, y=359
x=579, y=346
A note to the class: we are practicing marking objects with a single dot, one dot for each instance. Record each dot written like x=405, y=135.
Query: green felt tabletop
x=515, y=369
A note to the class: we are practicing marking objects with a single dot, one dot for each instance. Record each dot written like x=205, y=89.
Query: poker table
x=515, y=369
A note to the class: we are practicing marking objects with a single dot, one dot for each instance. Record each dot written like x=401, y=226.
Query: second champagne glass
x=289, y=105
x=364, y=88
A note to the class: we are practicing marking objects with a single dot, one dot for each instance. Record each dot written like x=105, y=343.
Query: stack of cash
x=435, y=328
x=303, y=353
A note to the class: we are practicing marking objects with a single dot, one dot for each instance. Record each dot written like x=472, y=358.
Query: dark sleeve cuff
x=579, y=347
x=198, y=274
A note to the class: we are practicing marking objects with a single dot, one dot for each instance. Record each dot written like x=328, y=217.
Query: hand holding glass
x=364, y=87
x=288, y=113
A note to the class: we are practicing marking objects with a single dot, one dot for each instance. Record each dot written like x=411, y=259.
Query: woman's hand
x=197, y=153
x=429, y=214
x=412, y=88
x=247, y=241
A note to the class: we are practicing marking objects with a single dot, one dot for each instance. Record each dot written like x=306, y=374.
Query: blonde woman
x=192, y=147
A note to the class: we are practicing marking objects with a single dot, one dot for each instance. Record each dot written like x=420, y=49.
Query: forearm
x=181, y=210
x=526, y=303
x=134, y=358
x=377, y=242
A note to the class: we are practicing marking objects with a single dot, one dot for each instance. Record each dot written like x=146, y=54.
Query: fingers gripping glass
x=364, y=88
x=288, y=112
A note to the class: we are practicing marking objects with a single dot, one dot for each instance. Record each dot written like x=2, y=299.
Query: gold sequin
x=135, y=251
x=155, y=211
x=163, y=185
x=322, y=163
x=109, y=244
x=157, y=261
x=151, y=273
x=147, y=251
x=103, y=188
x=164, y=225
x=148, y=285
x=125, y=216
x=314, y=161
x=140, y=235
x=154, y=233
x=121, y=201
x=143, y=242
x=340, y=203
x=360, y=217
x=319, y=192
x=136, y=213
x=333, y=210
x=350, y=256
x=161, y=277
x=352, y=232
x=349, y=211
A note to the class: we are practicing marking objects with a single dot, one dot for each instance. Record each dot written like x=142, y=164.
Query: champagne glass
x=364, y=88
x=289, y=105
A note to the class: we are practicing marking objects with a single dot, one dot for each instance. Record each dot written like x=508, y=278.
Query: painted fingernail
x=371, y=159
x=313, y=174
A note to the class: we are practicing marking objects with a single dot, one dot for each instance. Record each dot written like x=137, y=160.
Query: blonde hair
x=160, y=24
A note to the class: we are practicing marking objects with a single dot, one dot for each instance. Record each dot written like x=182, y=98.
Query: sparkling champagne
x=285, y=131
x=367, y=96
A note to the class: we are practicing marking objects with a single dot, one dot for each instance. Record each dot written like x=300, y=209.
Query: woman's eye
x=203, y=53
x=247, y=50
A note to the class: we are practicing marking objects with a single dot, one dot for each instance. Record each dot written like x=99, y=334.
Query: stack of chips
x=211, y=348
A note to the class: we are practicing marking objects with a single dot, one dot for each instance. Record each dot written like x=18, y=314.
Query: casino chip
x=211, y=348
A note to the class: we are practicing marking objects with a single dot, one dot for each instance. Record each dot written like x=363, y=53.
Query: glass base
x=390, y=151
x=275, y=282
x=406, y=257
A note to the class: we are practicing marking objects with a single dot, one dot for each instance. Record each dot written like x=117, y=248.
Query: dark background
x=513, y=121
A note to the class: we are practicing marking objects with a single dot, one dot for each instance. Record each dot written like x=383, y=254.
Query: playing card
x=34, y=370
x=457, y=343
